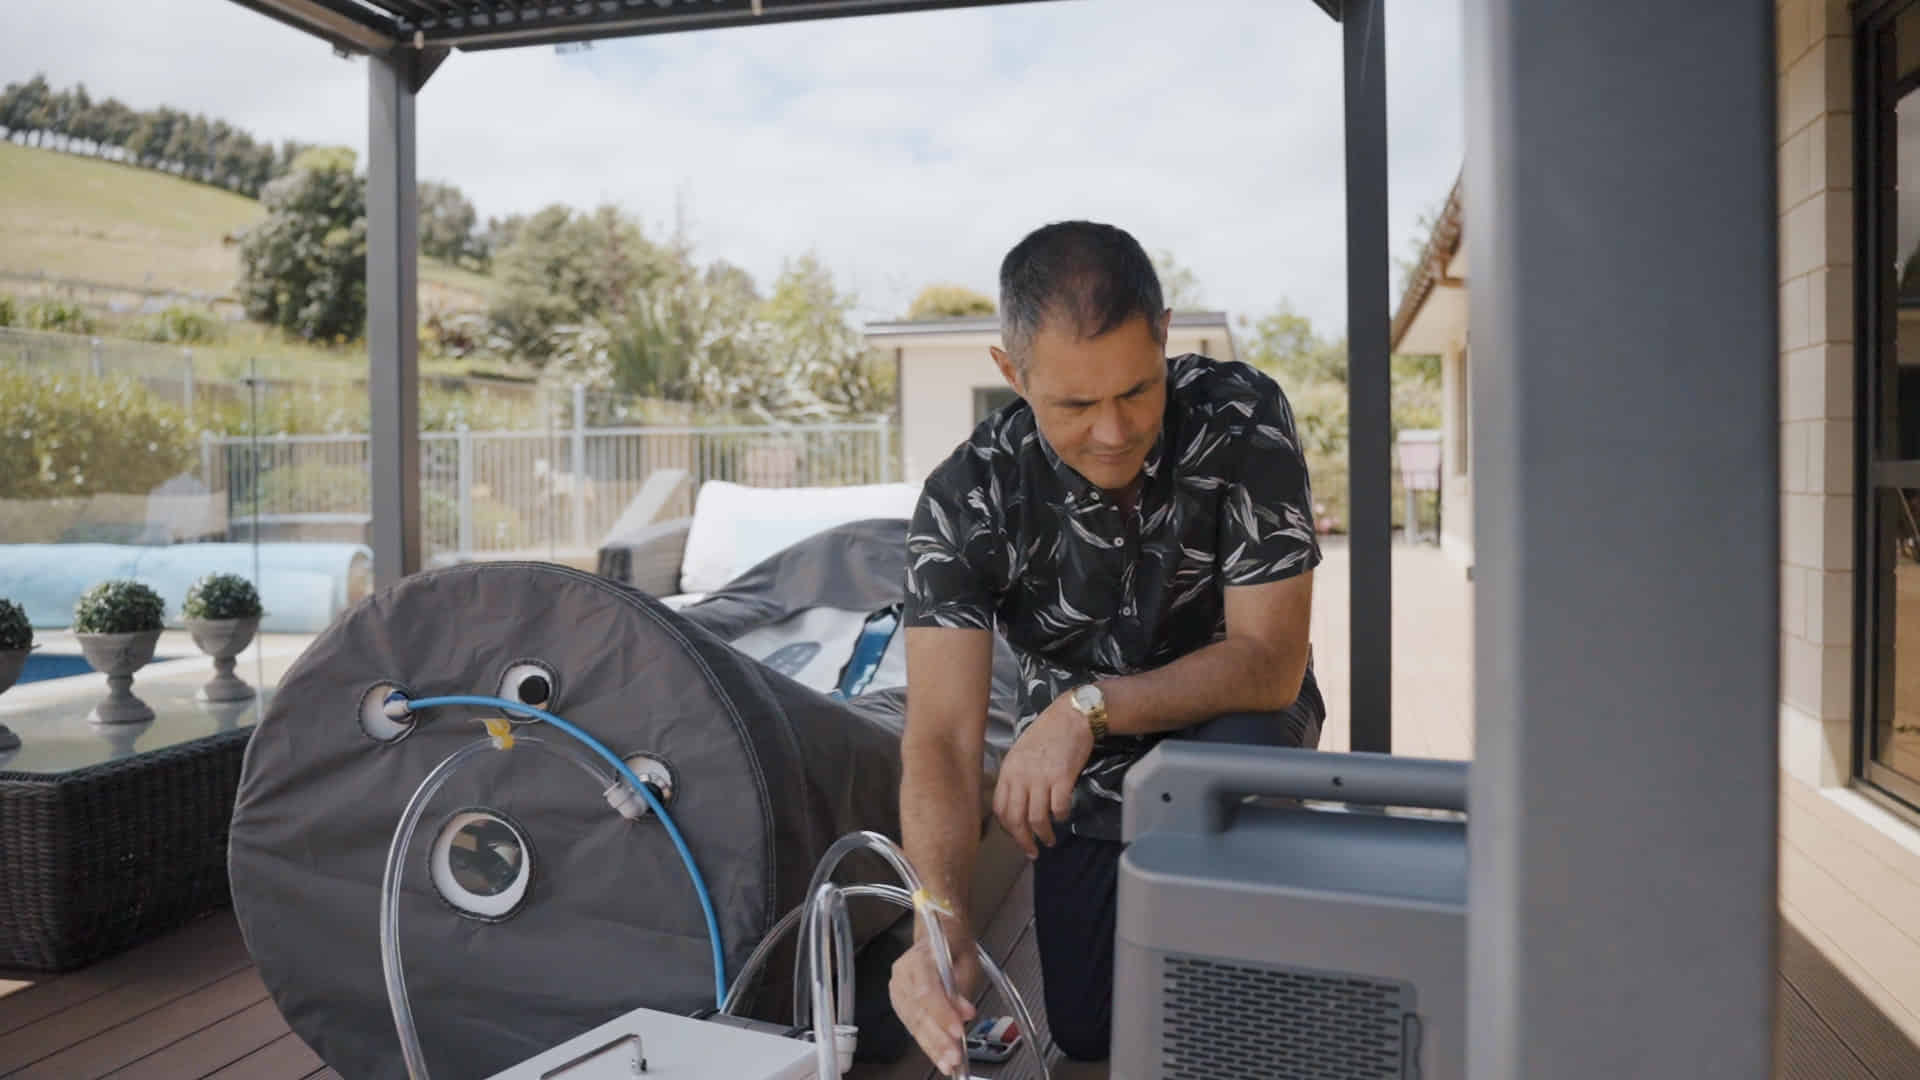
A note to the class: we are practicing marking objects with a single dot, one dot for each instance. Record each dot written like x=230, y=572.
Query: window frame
x=1877, y=86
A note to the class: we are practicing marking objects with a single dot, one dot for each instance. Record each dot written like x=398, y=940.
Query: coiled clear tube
x=896, y=895
x=832, y=941
x=823, y=872
x=390, y=963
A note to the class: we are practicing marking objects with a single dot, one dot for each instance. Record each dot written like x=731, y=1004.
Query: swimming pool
x=60, y=665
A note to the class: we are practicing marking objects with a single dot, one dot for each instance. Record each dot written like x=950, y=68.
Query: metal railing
x=509, y=491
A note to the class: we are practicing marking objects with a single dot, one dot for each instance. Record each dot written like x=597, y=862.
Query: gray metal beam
x=393, y=263
x=362, y=32
x=1369, y=389
x=1620, y=182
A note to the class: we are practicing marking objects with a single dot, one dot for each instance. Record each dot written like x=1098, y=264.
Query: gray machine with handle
x=1290, y=913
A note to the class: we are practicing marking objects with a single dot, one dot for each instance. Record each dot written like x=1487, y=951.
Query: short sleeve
x=950, y=558
x=1267, y=530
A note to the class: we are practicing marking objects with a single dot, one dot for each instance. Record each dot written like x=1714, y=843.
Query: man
x=1140, y=530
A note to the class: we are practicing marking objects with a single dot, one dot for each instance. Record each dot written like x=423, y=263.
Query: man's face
x=1098, y=401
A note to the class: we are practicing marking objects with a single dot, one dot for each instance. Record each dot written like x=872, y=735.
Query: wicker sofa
x=732, y=528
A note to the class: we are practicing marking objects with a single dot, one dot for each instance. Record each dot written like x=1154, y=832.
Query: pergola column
x=1620, y=185
x=393, y=347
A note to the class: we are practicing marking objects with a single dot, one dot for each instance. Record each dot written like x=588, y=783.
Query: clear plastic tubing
x=823, y=873
x=893, y=893
x=390, y=965
x=832, y=941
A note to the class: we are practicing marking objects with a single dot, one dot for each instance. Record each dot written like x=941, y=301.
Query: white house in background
x=1432, y=321
x=948, y=383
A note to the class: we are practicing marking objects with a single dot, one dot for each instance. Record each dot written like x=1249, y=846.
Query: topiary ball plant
x=221, y=596
x=16, y=633
x=118, y=607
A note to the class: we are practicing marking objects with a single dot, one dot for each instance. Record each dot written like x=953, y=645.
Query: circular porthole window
x=374, y=721
x=529, y=682
x=482, y=864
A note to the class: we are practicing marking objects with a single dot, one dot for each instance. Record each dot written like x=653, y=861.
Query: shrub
x=118, y=607
x=15, y=631
x=67, y=435
x=179, y=325
x=221, y=596
x=9, y=314
x=58, y=315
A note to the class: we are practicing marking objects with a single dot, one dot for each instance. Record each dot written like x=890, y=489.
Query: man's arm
x=1257, y=667
x=949, y=675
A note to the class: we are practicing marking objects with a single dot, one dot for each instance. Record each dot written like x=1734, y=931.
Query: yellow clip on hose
x=501, y=731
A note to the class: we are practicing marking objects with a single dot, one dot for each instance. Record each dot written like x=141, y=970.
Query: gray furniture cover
x=768, y=772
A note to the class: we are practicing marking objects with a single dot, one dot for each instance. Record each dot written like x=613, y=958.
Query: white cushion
x=736, y=526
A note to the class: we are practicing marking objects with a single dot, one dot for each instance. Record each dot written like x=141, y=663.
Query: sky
x=902, y=149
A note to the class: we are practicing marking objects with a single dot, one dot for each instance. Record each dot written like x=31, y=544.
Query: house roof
x=1434, y=272
x=984, y=324
x=381, y=26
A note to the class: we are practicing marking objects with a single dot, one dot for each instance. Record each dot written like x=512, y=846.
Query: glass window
x=988, y=398
x=1889, y=718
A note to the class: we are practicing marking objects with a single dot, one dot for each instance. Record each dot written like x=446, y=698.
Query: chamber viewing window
x=482, y=864
x=530, y=682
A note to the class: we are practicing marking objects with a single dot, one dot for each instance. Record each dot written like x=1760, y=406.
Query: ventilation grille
x=1238, y=1022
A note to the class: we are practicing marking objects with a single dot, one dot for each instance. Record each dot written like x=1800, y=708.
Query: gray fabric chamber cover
x=768, y=771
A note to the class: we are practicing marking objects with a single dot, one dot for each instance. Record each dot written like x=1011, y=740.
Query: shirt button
x=1119, y=541
x=1127, y=611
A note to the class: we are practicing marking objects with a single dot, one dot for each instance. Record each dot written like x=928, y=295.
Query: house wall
x=1849, y=870
x=1456, y=438
x=939, y=373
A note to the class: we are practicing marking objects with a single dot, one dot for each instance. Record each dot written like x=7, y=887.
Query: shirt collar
x=1078, y=487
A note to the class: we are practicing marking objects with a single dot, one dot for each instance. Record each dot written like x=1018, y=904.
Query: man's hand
x=937, y=1022
x=1038, y=774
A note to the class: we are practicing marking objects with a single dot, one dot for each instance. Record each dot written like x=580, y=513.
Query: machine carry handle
x=1190, y=787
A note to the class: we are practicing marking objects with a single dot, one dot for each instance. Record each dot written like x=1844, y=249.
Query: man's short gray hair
x=1095, y=276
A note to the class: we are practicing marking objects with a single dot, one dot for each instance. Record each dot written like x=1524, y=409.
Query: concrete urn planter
x=119, y=656
x=12, y=662
x=224, y=639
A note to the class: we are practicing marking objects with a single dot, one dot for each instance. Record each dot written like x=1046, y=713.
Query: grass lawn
x=69, y=216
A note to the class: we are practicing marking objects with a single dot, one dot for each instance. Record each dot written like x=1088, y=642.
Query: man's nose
x=1110, y=427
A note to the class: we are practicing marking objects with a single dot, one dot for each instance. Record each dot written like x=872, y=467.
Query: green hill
x=68, y=216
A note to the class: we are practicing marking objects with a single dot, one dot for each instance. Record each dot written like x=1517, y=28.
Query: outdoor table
x=113, y=834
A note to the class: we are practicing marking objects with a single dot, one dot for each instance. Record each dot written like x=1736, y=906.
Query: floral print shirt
x=1006, y=536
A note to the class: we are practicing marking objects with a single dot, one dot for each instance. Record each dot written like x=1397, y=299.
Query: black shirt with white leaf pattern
x=1007, y=535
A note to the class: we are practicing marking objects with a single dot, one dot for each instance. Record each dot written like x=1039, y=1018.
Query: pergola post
x=1621, y=186
x=393, y=355
x=1369, y=389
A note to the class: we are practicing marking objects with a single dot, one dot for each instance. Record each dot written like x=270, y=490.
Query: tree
x=949, y=302
x=1285, y=345
x=565, y=268
x=820, y=353
x=447, y=221
x=1179, y=288
x=304, y=267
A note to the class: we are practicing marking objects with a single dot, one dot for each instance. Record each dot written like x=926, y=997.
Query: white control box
x=649, y=1045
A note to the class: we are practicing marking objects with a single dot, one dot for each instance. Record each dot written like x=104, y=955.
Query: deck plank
x=197, y=953
x=106, y=1050
x=282, y=1059
x=213, y=1047
x=1806, y=1048
x=1884, y=1049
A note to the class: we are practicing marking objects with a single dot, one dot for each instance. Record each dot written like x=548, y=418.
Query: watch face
x=1086, y=697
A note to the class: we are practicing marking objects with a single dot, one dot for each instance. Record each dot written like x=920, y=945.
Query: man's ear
x=1007, y=371
x=1166, y=324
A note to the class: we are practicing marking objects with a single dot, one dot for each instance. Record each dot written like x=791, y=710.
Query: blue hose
x=626, y=773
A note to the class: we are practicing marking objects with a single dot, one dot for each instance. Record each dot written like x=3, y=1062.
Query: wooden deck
x=191, y=1006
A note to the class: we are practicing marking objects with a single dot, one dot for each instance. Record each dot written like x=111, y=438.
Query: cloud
x=903, y=149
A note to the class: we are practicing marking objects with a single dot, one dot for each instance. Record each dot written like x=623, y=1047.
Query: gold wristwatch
x=1089, y=702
